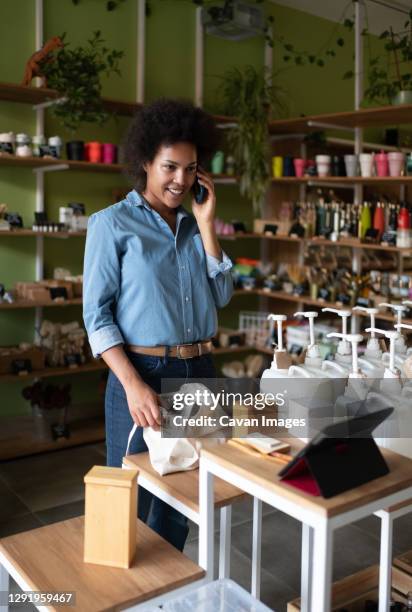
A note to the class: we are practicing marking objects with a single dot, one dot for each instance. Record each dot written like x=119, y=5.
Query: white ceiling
x=379, y=16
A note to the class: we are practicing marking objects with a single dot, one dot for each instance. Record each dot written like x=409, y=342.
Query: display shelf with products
x=344, y=180
x=83, y=166
x=365, y=117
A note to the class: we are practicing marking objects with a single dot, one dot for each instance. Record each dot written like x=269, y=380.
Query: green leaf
x=349, y=74
x=320, y=63
x=311, y=59
x=286, y=58
x=340, y=42
x=288, y=47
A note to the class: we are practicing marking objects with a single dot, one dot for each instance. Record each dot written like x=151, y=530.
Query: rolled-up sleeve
x=101, y=283
x=220, y=278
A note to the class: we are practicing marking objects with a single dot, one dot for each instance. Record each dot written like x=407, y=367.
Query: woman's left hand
x=205, y=213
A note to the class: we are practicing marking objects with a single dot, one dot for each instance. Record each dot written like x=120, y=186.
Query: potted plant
x=250, y=96
x=76, y=75
x=390, y=75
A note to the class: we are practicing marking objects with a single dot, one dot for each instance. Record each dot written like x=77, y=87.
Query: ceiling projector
x=234, y=20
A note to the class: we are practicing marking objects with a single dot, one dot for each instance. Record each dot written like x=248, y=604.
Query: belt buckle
x=178, y=353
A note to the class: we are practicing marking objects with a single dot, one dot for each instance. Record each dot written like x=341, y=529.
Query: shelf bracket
x=226, y=126
x=51, y=168
x=49, y=103
x=329, y=184
x=225, y=181
x=330, y=126
x=276, y=137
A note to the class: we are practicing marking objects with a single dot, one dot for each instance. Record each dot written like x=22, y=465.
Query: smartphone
x=199, y=192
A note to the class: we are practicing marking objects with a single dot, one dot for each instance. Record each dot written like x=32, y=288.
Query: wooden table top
x=50, y=558
x=184, y=486
x=265, y=473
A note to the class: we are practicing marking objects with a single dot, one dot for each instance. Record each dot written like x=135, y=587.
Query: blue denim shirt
x=143, y=285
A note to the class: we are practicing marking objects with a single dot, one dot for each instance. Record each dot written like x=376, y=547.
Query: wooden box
x=38, y=294
x=110, y=516
x=351, y=592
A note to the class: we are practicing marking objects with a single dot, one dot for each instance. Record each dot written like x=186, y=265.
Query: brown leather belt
x=182, y=351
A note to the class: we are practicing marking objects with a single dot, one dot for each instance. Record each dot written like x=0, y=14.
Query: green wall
x=170, y=72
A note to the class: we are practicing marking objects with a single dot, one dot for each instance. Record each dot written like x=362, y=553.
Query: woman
x=153, y=277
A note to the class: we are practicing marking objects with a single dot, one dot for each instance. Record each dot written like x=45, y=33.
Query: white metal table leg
x=225, y=538
x=4, y=586
x=256, y=547
x=306, y=567
x=206, y=523
x=385, y=566
x=322, y=567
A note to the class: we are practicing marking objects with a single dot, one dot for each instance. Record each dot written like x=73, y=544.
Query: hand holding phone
x=199, y=192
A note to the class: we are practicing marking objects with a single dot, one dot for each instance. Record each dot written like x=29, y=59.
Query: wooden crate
x=352, y=592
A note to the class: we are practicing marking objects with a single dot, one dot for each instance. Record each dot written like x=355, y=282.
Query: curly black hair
x=166, y=122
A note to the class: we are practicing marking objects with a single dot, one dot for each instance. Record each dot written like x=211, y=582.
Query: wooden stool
x=181, y=491
x=50, y=559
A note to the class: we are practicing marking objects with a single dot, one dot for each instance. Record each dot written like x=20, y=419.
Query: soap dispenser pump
x=353, y=340
x=343, y=354
x=357, y=387
x=399, y=309
x=313, y=357
x=281, y=359
x=391, y=384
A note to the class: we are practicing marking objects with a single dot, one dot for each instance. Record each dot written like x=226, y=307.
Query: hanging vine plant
x=250, y=96
x=75, y=74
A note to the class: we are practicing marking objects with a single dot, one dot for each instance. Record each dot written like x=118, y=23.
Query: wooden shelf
x=347, y=180
x=13, y=92
x=345, y=242
x=32, y=304
x=82, y=166
x=93, y=366
x=18, y=437
x=41, y=162
x=29, y=232
x=366, y=117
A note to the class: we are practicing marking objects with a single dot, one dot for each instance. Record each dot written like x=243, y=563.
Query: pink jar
x=299, y=165
x=382, y=167
x=109, y=153
x=396, y=163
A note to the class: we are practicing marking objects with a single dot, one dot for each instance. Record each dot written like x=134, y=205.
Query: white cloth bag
x=168, y=455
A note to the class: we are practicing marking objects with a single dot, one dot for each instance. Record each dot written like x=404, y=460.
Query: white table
x=319, y=517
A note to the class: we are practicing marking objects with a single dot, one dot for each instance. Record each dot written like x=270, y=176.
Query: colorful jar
x=109, y=153
x=55, y=146
x=7, y=140
x=23, y=145
x=94, y=152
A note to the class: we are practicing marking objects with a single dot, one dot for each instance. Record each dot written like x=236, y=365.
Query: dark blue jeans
x=158, y=515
